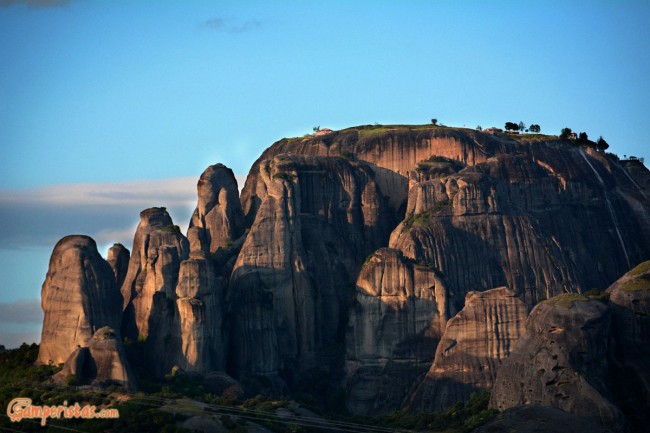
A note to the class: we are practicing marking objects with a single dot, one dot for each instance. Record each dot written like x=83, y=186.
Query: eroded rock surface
x=79, y=296
x=118, y=258
x=103, y=362
x=399, y=314
x=294, y=277
x=629, y=353
x=218, y=210
x=476, y=341
x=561, y=361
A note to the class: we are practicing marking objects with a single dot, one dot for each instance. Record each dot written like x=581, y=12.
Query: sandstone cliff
x=362, y=246
x=79, y=296
x=476, y=341
x=398, y=317
x=290, y=288
x=118, y=258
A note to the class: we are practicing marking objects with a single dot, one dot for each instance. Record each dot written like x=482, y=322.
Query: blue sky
x=110, y=107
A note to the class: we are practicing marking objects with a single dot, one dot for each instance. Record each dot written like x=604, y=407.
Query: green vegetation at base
x=181, y=395
x=461, y=418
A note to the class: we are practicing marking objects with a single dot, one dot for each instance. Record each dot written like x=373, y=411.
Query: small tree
x=511, y=126
x=534, y=128
x=522, y=126
x=566, y=134
x=583, y=136
x=602, y=144
x=478, y=128
x=434, y=121
x=316, y=128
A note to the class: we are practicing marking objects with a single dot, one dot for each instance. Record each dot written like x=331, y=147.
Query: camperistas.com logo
x=22, y=408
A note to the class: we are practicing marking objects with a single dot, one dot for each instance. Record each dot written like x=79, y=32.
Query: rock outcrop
x=294, y=277
x=79, y=296
x=118, y=258
x=476, y=341
x=149, y=289
x=218, y=211
x=561, y=361
x=102, y=362
x=399, y=314
x=629, y=352
x=158, y=249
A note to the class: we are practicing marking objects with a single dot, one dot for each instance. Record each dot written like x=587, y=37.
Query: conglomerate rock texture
x=349, y=256
x=79, y=296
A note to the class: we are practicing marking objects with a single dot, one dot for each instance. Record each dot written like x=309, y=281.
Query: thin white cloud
x=231, y=26
x=108, y=212
x=174, y=192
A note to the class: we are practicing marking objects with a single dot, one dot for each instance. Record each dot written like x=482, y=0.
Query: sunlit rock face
x=475, y=342
x=79, y=296
x=218, y=211
x=158, y=249
x=294, y=277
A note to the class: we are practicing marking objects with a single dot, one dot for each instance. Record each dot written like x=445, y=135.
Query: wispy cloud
x=108, y=212
x=21, y=311
x=35, y=3
x=231, y=26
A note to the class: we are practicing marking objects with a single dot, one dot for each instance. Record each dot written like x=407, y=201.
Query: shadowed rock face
x=629, y=354
x=397, y=319
x=561, y=361
x=294, y=277
x=541, y=419
x=78, y=297
x=476, y=341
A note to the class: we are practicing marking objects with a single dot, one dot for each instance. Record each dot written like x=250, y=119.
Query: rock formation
x=398, y=317
x=158, y=249
x=294, y=277
x=476, y=341
x=218, y=210
x=103, y=362
x=561, y=361
x=79, y=296
x=118, y=258
x=629, y=352
x=435, y=212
